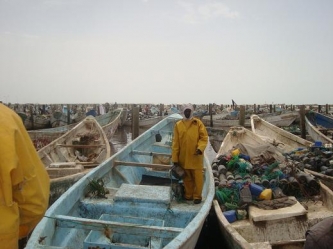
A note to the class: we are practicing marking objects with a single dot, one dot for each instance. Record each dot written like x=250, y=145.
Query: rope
x=228, y=196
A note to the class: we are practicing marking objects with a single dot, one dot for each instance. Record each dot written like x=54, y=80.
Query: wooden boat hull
x=281, y=233
x=280, y=120
x=316, y=124
x=59, y=118
x=145, y=123
x=109, y=122
x=132, y=215
x=281, y=139
x=238, y=135
x=70, y=156
x=277, y=228
x=39, y=121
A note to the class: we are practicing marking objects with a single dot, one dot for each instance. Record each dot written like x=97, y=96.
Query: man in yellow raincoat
x=24, y=182
x=189, y=143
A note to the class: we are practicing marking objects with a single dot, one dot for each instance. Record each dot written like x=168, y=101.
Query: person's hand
x=198, y=152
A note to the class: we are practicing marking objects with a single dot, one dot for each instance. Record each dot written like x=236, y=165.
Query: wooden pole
x=32, y=117
x=135, y=122
x=136, y=164
x=211, y=115
x=68, y=114
x=242, y=115
x=302, y=121
x=319, y=108
x=270, y=108
x=161, y=110
x=327, y=107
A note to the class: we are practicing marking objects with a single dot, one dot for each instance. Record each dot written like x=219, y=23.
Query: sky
x=166, y=51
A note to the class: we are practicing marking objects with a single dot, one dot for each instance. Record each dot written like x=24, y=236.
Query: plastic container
x=266, y=194
x=318, y=144
x=245, y=194
x=230, y=215
x=222, y=169
x=245, y=157
x=235, y=152
x=241, y=214
x=256, y=189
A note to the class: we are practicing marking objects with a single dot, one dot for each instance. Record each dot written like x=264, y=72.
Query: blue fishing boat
x=115, y=206
x=319, y=127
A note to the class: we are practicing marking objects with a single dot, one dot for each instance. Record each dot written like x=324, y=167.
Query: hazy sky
x=164, y=51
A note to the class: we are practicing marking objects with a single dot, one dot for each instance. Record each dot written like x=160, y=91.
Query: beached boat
x=60, y=117
x=113, y=206
x=39, y=121
x=284, y=119
x=109, y=122
x=247, y=216
x=279, y=138
x=319, y=127
x=286, y=142
x=145, y=122
x=280, y=120
x=70, y=156
x=216, y=136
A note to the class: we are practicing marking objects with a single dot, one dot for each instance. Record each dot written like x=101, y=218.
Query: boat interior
x=280, y=228
x=117, y=207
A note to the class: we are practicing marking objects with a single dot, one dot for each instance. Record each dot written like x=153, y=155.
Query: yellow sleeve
x=175, y=145
x=203, y=137
x=25, y=182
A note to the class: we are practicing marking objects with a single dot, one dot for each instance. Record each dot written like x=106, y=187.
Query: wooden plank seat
x=118, y=240
x=148, y=153
x=262, y=225
x=120, y=227
x=258, y=214
x=81, y=145
x=61, y=169
x=154, y=166
x=62, y=165
x=142, y=194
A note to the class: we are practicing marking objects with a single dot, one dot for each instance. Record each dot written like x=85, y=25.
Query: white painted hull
x=109, y=122
x=145, y=123
x=63, y=163
x=284, y=140
x=281, y=120
x=282, y=228
x=315, y=133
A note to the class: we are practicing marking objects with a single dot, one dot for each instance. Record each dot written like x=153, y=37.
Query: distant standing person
x=320, y=236
x=189, y=143
x=24, y=182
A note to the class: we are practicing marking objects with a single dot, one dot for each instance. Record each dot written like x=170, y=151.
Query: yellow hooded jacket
x=189, y=135
x=24, y=182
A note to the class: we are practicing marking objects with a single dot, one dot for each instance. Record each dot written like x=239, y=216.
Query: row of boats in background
x=266, y=185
